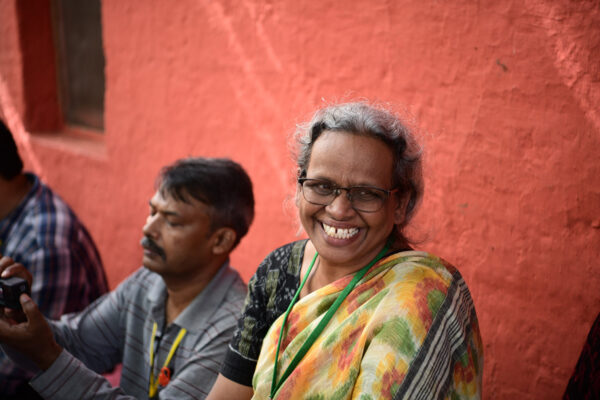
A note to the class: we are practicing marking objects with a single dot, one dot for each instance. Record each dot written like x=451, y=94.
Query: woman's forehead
x=351, y=159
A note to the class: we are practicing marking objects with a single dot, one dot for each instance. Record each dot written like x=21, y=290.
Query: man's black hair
x=11, y=164
x=219, y=182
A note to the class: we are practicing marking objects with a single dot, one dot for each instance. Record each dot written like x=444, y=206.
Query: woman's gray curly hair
x=363, y=118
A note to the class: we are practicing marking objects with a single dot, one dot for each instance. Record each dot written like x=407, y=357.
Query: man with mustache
x=170, y=322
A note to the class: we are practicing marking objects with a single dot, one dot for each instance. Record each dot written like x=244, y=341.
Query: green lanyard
x=324, y=321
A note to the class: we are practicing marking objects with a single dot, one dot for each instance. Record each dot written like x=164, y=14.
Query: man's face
x=177, y=237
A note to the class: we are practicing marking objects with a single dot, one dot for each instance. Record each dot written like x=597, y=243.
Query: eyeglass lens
x=362, y=198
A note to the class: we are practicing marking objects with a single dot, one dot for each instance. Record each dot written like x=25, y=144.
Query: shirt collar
x=195, y=316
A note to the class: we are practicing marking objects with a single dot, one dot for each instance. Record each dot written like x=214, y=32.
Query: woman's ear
x=224, y=240
x=300, y=174
x=400, y=210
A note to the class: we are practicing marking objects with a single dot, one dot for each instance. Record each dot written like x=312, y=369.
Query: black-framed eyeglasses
x=362, y=198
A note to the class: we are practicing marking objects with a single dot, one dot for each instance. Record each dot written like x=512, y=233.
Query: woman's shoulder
x=426, y=265
x=425, y=302
x=286, y=258
x=425, y=285
x=420, y=280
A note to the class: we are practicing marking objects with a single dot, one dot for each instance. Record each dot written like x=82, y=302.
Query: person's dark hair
x=219, y=182
x=11, y=164
x=362, y=118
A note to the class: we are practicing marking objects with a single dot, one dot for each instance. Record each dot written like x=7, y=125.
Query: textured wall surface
x=505, y=96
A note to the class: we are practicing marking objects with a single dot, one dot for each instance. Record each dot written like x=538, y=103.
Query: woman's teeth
x=339, y=233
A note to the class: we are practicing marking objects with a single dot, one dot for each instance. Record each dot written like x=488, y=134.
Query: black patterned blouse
x=270, y=292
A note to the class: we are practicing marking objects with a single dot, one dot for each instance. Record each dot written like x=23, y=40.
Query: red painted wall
x=505, y=95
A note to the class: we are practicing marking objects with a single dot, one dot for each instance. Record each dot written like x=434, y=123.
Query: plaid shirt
x=44, y=234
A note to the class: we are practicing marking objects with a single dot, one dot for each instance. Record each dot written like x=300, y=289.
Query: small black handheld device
x=10, y=291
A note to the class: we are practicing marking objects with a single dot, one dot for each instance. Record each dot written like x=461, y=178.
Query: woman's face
x=343, y=236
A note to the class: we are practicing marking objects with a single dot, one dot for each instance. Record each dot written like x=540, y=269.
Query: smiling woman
x=346, y=238
x=354, y=311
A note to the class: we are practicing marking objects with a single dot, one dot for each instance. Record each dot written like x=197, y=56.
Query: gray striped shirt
x=118, y=328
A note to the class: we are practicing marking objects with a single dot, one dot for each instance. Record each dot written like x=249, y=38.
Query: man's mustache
x=149, y=244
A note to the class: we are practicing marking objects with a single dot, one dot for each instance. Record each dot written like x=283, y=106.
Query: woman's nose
x=341, y=206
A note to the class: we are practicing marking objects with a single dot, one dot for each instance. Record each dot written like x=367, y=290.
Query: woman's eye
x=322, y=188
x=365, y=194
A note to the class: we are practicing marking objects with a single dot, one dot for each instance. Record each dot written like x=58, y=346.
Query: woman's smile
x=339, y=233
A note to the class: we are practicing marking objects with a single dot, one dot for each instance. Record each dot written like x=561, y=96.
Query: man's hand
x=9, y=268
x=33, y=338
x=26, y=331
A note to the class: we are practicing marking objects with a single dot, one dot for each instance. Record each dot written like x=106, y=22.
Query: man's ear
x=223, y=240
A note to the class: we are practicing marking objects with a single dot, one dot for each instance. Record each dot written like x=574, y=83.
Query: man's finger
x=18, y=270
x=30, y=309
x=5, y=262
x=16, y=315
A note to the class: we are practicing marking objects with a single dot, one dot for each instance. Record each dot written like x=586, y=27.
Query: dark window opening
x=80, y=61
